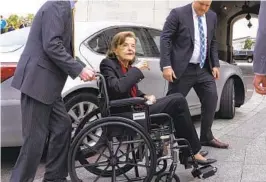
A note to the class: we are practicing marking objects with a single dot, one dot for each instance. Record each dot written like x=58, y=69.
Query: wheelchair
x=128, y=145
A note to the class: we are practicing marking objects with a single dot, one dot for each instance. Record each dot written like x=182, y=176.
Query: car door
x=153, y=82
x=192, y=97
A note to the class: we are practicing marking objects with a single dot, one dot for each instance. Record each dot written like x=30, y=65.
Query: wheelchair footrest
x=204, y=172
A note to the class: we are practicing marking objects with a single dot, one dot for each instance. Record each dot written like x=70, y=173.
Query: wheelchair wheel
x=96, y=144
x=114, y=156
x=165, y=177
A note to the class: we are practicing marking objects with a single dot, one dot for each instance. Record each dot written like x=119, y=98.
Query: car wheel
x=227, y=102
x=250, y=60
x=78, y=106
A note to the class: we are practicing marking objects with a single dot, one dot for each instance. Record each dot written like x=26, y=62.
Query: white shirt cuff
x=167, y=67
x=260, y=74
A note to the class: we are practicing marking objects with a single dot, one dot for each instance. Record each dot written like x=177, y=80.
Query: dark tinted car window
x=98, y=44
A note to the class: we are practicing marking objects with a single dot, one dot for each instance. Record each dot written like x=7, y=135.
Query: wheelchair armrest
x=160, y=118
x=127, y=102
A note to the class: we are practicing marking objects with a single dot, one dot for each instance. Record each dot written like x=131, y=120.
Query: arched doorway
x=229, y=12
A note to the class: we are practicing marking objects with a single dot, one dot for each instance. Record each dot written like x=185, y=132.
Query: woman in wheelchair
x=122, y=75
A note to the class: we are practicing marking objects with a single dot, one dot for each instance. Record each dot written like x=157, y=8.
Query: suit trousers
x=176, y=106
x=43, y=125
x=205, y=87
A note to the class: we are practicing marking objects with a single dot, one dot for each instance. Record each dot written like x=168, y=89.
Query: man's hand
x=150, y=98
x=259, y=83
x=87, y=74
x=169, y=74
x=216, y=73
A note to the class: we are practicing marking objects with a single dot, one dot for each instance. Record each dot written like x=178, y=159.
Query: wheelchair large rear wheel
x=114, y=156
x=96, y=143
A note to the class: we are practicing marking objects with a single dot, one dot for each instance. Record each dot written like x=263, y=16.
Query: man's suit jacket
x=259, y=64
x=177, y=40
x=118, y=83
x=47, y=59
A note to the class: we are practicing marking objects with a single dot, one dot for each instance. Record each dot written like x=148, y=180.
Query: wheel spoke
x=73, y=116
x=94, y=137
x=123, y=173
x=102, y=173
x=91, y=107
x=94, y=150
x=100, y=155
x=81, y=109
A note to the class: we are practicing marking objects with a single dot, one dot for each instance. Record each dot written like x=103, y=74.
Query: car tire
x=227, y=102
x=73, y=106
x=250, y=60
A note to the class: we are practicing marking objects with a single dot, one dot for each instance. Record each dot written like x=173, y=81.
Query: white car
x=92, y=40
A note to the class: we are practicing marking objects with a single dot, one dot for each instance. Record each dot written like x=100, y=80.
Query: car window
x=140, y=49
x=154, y=41
x=98, y=44
x=14, y=40
x=155, y=34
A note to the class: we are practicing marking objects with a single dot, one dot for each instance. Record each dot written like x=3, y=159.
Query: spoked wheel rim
x=77, y=113
x=109, y=157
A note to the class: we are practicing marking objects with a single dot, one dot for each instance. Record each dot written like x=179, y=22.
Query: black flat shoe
x=203, y=162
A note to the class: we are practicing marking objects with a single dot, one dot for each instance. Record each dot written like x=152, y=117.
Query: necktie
x=202, y=42
x=73, y=32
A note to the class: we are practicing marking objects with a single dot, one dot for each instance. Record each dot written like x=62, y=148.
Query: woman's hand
x=150, y=98
x=142, y=65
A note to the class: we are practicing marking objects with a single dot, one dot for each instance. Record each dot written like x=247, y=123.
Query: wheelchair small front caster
x=166, y=177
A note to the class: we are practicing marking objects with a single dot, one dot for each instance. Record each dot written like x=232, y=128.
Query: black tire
x=71, y=103
x=104, y=122
x=160, y=177
x=227, y=102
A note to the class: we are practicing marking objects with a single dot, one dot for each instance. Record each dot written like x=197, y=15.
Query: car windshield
x=14, y=40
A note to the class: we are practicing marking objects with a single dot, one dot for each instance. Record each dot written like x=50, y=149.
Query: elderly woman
x=122, y=77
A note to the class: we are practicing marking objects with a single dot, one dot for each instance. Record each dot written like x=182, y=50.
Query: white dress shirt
x=196, y=53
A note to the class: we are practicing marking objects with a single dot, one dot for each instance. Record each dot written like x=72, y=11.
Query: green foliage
x=16, y=20
x=248, y=44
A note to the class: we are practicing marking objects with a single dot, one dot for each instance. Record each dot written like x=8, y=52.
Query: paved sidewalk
x=245, y=160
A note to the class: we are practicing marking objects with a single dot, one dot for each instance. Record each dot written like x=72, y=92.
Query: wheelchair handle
x=101, y=79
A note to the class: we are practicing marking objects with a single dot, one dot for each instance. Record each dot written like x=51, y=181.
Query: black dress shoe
x=203, y=162
x=215, y=143
x=203, y=153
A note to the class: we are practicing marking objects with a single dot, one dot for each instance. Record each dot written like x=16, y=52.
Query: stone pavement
x=245, y=160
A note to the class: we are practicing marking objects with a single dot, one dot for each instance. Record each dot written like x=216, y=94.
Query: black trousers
x=204, y=85
x=43, y=124
x=176, y=106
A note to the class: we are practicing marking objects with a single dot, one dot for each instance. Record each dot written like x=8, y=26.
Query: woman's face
x=127, y=50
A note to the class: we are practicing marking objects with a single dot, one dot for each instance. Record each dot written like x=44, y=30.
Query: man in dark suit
x=189, y=58
x=41, y=73
x=259, y=65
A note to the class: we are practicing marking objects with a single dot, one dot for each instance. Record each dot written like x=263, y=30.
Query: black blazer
x=118, y=83
x=177, y=40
